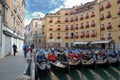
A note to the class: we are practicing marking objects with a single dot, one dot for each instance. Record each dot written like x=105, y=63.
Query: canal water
x=111, y=73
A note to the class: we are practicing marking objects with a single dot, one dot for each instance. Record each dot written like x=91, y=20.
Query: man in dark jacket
x=14, y=49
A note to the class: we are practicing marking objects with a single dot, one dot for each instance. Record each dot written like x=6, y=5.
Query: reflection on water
x=112, y=73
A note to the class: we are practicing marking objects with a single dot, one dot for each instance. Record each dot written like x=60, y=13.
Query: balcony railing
x=66, y=28
x=102, y=38
x=109, y=26
x=50, y=29
x=93, y=35
x=58, y=28
x=58, y=37
x=108, y=15
x=118, y=1
x=102, y=28
x=50, y=37
x=109, y=38
x=66, y=20
x=93, y=24
x=66, y=37
x=50, y=21
x=81, y=18
x=72, y=37
x=108, y=5
x=102, y=18
x=92, y=15
x=119, y=25
x=101, y=7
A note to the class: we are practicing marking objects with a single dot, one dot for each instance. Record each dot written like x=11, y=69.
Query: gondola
x=102, y=63
x=113, y=61
x=57, y=64
x=74, y=61
x=88, y=63
x=113, y=58
x=42, y=68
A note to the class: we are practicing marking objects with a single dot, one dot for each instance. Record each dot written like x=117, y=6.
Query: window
x=39, y=41
x=36, y=24
x=109, y=35
x=66, y=44
x=6, y=14
x=72, y=34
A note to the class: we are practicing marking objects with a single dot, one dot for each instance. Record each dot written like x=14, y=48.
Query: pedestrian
x=25, y=49
x=14, y=49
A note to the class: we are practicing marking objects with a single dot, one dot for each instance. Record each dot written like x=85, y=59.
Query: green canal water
x=111, y=73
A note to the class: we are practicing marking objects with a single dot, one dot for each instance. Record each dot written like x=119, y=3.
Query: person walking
x=14, y=49
x=25, y=49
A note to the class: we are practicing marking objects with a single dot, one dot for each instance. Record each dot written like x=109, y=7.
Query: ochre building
x=96, y=22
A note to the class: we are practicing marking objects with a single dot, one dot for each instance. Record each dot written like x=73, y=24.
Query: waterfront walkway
x=12, y=66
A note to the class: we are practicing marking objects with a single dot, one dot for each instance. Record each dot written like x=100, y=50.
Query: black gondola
x=75, y=64
x=113, y=61
x=88, y=63
x=42, y=69
x=102, y=63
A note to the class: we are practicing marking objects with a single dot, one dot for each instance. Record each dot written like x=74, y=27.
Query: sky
x=39, y=8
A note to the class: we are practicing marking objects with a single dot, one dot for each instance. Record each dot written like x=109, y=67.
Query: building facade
x=12, y=25
x=94, y=22
x=35, y=33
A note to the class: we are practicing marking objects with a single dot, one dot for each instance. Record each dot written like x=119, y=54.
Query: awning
x=80, y=43
x=101, y=41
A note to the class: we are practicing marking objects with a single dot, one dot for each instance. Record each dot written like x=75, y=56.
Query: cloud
x=71, y=3
x=57, y=9
x=29, y=16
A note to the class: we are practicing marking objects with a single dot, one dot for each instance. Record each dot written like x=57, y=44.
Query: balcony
x=87, y=25
x=118, y=12
x=76, y=19
x=50, y=21
x=76, y=36
x=66, y=13
x=58, y=37
x=87, y=35
x=71, y=28
x=81, y=17
x=50, y=29
x=93, y=24
x=102, y=18
x=108, y=5
x=92, y=15
x=72, y=37
x=50, y=37
x=119, y=25
x=58, y=28
x=71, y=20
x=82, y=26
x=109, y=26
x=71, y=12
x=66, y=28
x=81, y=36
x=109, y=37
x=66, y=37
x=66, y=20
x=87, y=16
x=101, y=7
x=58, y=21
x=102, y=38
x=108, y=15
x=102, y=28
x=93, y=34
x=76, y=27
x=118, y=1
